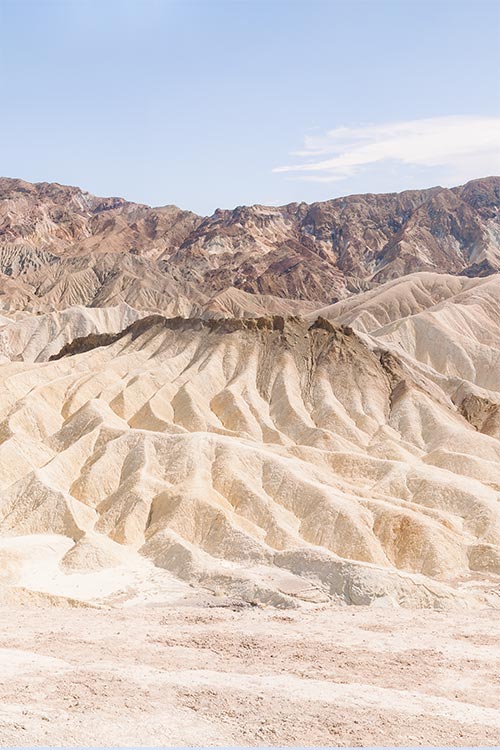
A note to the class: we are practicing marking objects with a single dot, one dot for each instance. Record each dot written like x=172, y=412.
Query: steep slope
x=270, y=459
x=446, y=324
x=445, y=328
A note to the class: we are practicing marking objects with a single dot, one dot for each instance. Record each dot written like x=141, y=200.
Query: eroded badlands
x=203, y=463
x=350, y=456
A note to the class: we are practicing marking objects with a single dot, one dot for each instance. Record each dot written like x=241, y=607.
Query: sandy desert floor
x=223, y=675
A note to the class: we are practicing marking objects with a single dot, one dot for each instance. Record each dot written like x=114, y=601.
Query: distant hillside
x=61, y=246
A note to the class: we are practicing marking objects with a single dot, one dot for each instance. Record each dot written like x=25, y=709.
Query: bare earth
x=205, y=675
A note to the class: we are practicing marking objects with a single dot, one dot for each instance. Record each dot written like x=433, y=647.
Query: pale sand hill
x=446, y=328
x=405, y=297
x=276, y=461
x=38, y=337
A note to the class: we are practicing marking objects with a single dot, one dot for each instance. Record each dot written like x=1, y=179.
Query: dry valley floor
x=209, y=673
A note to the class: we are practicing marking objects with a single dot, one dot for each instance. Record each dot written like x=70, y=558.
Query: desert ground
x=213, y=673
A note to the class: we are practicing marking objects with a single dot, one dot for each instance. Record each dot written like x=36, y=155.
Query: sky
x=213, y=104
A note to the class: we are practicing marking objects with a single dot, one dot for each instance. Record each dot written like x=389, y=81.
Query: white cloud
x=464, y=146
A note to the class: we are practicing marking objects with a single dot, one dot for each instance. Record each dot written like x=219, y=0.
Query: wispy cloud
x=464, y=146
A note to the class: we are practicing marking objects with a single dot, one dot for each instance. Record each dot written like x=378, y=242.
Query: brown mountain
x=61, y=246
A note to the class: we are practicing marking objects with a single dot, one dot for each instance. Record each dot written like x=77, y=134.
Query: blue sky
x=217, y=104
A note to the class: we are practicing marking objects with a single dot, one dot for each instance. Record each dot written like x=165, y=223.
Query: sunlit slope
x=38, y=337
x=272, y=458
x=444, y=328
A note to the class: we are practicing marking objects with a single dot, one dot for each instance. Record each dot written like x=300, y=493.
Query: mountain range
x=61, y=246
x=283, y=405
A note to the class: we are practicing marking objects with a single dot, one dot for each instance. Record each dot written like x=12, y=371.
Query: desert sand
x=218, y=674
